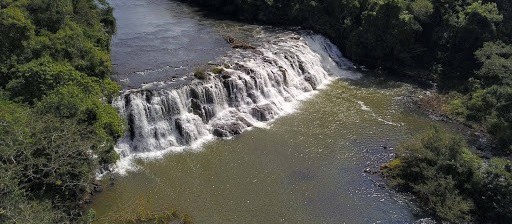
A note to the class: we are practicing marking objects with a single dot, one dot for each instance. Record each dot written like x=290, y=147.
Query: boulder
x=229, y=129
x=263, y=112
x=237, y=44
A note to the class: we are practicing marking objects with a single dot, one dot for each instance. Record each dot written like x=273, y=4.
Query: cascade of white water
x=255, y=87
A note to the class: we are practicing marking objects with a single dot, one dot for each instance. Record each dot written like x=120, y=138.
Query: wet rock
x=284, y=73
x=186, y=138
x=209, y=113
x=148, y=95
x=384, y=166
x=131, y=126
x=209, y=96
x=311, y=80
x=228, y=130
x=87, y=199
x=220, y=133
x=225, y=76
x=96, y=183
x=244, y=121
x=237, y=44
x=197, y=108
x=194, y=93
x=263, y=112
x=97, y=187
x=253, y=96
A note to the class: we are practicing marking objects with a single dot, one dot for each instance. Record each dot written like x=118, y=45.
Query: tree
x=496, y=191
x=34, y=80
x=441, y=171
x=45, y=158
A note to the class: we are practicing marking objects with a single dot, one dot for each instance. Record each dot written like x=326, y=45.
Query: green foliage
x=450, y=181
x=67, y=31
x=496, y=60
x=490, y=101
x=385, y=35
x=44, y=158
x=438, y=168
x=32, y=81
x=201, y=74
x=15, y=29
x=217, y=70
x=56, y=123
x=422, y=9
x=496, y=191
x=74, y=103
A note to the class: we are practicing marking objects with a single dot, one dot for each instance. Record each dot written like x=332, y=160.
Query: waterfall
x=256, y=86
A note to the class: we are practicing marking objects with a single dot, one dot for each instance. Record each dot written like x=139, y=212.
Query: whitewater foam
x=254, y=88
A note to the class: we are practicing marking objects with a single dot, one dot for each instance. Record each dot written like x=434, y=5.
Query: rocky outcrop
x=238, y=44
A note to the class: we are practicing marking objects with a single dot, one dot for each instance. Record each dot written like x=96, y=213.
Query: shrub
x=201, y=74
x=450, y=181
x=496, y=191
x=439, y=169
x=217, y=70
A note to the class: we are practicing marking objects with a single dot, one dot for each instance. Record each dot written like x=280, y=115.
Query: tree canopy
x=57, y=127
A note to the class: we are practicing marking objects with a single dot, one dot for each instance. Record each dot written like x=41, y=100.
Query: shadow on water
x=380, y=80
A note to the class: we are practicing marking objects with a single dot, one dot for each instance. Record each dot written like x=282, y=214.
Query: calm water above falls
x=306, y=167
x=156, y=39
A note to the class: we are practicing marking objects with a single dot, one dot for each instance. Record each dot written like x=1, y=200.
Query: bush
x=201, y=74
x=496, y=191
x=217, y=70
x=450, y=181
x=439, y=169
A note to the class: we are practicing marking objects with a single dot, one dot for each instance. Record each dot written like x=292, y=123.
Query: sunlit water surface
x=305, y=168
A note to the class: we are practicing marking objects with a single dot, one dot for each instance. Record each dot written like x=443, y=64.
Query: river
x=312, y=141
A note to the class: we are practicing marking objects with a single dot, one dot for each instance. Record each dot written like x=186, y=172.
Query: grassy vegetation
x=201, y=74
x=451, y=182
x=217, y=70
x=56, y=123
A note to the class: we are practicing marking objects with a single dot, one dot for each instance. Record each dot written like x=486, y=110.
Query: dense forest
x=464, y=47
x=57, y=127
